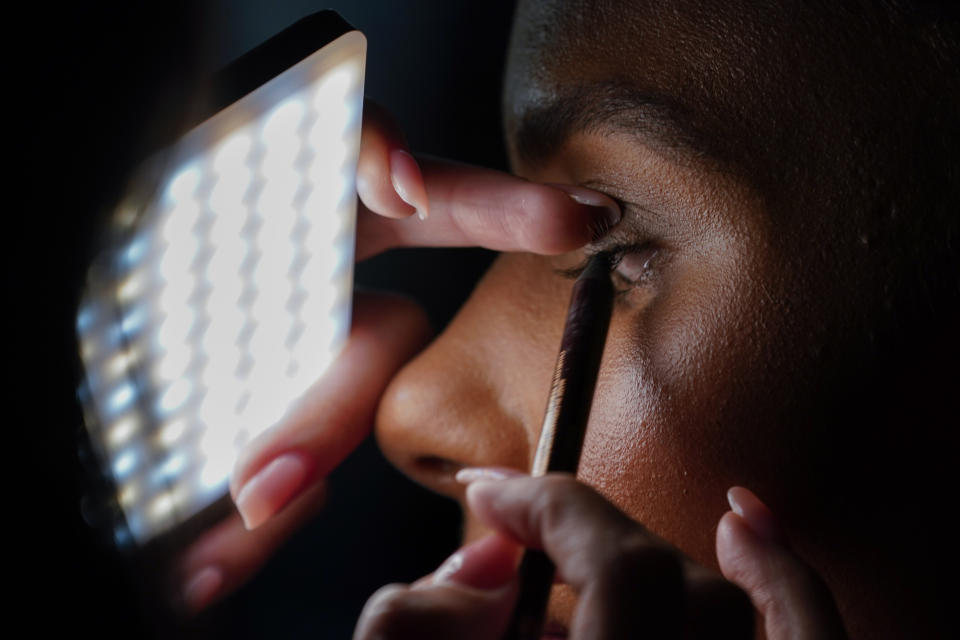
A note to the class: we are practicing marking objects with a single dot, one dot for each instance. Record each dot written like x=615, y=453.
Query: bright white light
x=223, y=269
x=216, y=472
x=271, y=279
x=121, y=398
x=224, y=387
x=178, y=226
x=184, y=183
x=218, y=409
x=278, y=195
x=174, y=329
x=117, y=365
x=122, y=430
x=282, y=122
x=124, y=464
x=133, y=320
x=170, y=468
x=135, y=251
x=160, y=507
x=233, y=153
x=216, y=445
x=228, y=321
x=317, y=272
x=280, y=158
x=226, y=199
x=132, y=286
x=324, y=169
x=175, y=395
x=330, y=95
x=233, y=293
x=172, y=431
x=174, y=363
x=176, y=260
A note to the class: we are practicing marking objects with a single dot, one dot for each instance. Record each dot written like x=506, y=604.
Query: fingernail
x=202, y=587
x=272, y=488
x=408, y=181
x=488, y=563
x=608, y=211
x=472, y=474
x=756, y=515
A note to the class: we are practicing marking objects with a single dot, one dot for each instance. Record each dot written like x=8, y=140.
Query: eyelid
x=617, y=252
x=635, y=229
x=633, y=234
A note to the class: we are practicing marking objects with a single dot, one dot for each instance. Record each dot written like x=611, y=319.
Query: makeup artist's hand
x=630, y=583
x=278, y=482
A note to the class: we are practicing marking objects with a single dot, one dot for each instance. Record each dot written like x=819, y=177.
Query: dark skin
x=785, y=311
x=773, y=221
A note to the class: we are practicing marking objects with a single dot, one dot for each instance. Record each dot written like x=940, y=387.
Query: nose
x=476, y=395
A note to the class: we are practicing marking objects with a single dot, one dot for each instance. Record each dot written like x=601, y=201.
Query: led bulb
x=229, y=296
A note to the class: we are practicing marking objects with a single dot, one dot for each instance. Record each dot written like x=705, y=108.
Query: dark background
x=94, y=85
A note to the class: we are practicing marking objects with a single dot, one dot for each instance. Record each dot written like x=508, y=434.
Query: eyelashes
x=633, y=266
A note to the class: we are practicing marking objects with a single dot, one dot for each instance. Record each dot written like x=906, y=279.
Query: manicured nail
x=608, y=211
x=472, y=474
x=272, y=488
x=202, y=587
x=488, y=563
x=756, y=514
x=408, y=181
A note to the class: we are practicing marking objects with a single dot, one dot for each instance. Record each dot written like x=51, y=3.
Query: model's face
x=735, y=285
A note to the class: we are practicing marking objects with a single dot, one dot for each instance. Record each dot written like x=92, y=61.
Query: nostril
x=437, y=473
x=437, y=466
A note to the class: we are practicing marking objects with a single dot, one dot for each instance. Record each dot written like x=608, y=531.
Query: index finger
x=472, y=206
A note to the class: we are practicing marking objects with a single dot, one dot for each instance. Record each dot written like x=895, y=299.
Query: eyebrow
x=543, y=125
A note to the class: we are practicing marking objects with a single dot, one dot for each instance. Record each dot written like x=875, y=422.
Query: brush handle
x=536, y=578
x=565, y=424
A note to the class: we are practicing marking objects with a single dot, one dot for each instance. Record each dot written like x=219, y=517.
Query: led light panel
x=229, y=292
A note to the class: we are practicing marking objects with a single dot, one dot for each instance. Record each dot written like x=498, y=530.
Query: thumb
x=752, y=550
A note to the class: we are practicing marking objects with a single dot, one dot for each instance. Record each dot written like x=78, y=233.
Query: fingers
x=460, y=205
x=630, y=582
x=470, y=206
x=470, y=597
x=335, y=415
x=388, y=178
x=753, y=553
x=227, y=555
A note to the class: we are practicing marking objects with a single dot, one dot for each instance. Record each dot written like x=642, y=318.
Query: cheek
x=676, y=420
x=646, y=457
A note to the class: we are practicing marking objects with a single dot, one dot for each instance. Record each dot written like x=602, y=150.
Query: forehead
x=759, y=83
x=685, y=49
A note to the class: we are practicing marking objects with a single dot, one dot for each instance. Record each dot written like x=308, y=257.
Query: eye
x=634, y=265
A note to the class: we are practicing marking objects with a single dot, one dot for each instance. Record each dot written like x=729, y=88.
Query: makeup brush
x=565, y=423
